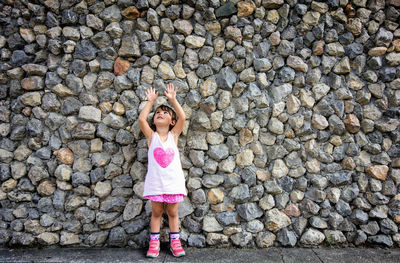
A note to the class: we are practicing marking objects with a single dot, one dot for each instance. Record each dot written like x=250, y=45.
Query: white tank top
x=164, y=172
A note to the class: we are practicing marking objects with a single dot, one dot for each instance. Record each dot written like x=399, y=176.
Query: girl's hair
x=165, y=108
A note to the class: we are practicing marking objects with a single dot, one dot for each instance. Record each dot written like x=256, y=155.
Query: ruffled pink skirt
x=176, y=198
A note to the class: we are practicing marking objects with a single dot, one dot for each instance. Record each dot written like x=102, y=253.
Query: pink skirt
x=175, y=198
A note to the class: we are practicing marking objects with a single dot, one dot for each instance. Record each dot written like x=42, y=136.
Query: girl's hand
x=170, y=93
x=151, y=94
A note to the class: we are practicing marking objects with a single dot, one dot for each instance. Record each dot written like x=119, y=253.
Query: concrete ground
x=270, y=255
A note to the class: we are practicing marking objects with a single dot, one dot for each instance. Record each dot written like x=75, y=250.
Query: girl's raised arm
x=170, y=93
x=144, y=125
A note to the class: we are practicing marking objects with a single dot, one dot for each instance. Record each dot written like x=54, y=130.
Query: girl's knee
x=157, y=210
x=172, y=210
x=157, y=213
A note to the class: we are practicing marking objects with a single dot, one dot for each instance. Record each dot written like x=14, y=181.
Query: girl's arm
x=144, y=125
x=170, y=93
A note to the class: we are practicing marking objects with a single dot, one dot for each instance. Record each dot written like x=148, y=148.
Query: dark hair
x=165, y=108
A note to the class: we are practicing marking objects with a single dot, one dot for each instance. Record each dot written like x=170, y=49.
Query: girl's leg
x=173, y=219
x=155, y=223
x=157, y=209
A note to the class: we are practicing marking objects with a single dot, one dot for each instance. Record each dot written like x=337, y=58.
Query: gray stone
x=196, y=240
x=218, y=152
x=117, y=237
x=228, y=218
x=85, y=50
x=265, y=239
x=388, y=227
x=226, y=78
x=312, y=237
x=381, y=240
x=343, y=208
x=226, y=10
x=383, y=37
x=249, y=211
x=241, y=239
x=210, y=224
x=240, y=193
x=132, y=209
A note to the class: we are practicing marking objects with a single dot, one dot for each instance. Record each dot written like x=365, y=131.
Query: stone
x=31, y=99
x=265, y=239
x=272, y=3
x=276, y=220
x=215, y=196
x=121, y=66
x=131, y=12
x=279, y=169
x=183, y=26
x=275, y=126
x=226, y=9
x=247, y=75
x=334, y=237
x=249, y=211
x=210, y=224
x=387, y=125
x=129, y=47
x=208, y=88
x=378, y=171
x=383, y=37
x=165, y=71
x=381, y=240
x=48, y=238
x=240, y=193
x=215, y=239
x=196, y=240
x=117, y=237
x=297, y=63
x=352, y=123
x=46, y=188
x=319, y=122
x=377, y=51
x=267, y=202
x=67, y=238
x=102, y=189
x=132, y=209
x=354, y=26
x=245, y=158
x=194, y=41
x=312, y=237
x=292, y=210
x=241, y=239
x=90, y=113
x=343, y=66
x=311, y=18
x=245, y=8
x=64, y=155
x=234, y=34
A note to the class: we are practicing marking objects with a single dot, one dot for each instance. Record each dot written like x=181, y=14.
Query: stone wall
x=292, y=135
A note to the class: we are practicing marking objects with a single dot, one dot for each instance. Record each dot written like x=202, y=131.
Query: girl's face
x=163, y=117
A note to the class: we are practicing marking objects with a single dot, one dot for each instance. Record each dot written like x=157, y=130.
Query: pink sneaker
x=154, y=249
x=176, y=248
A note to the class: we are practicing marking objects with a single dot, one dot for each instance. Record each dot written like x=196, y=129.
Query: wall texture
x=292, y=135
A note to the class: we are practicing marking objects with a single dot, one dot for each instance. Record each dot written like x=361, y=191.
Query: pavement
x=209, y=255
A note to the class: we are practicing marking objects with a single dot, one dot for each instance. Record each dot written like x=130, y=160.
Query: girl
x=165, y=182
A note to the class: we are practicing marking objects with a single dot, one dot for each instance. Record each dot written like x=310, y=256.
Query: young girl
x=165, y=182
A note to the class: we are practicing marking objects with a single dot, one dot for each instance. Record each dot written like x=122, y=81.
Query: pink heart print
x=163, y=158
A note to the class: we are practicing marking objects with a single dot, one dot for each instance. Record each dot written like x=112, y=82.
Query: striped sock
x=155, y=236
x=174, y=236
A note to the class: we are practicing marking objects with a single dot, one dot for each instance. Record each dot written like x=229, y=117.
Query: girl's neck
x=162, y=130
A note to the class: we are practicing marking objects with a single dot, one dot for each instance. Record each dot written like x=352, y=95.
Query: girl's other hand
x=170, y=93
x=151, y=94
